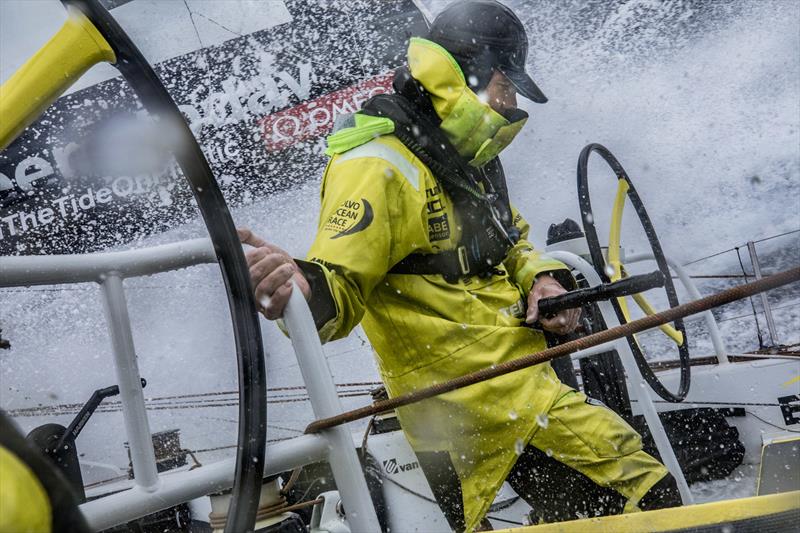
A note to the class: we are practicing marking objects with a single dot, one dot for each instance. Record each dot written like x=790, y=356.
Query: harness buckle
x=463, y=260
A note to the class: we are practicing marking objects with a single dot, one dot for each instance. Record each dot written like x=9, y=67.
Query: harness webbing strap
x=452, y=264
x=488, y=232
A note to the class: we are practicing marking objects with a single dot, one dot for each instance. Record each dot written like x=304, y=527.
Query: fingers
x=271, y=271
x=564, y=322
x=277, y=302
x=533, y=308
x=246, y=236
x=271, y=274
x=544, y=287
x=263, y=263
x=272, y=281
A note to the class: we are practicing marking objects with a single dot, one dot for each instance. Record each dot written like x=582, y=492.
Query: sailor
x=417, y=242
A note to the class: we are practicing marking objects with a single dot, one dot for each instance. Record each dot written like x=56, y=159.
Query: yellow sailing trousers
x=594, y=440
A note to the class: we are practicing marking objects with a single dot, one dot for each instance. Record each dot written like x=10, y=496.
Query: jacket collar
x=467, y=121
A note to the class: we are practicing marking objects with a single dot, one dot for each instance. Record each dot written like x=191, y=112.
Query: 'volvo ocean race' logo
x=391, y=466
x=350, y=217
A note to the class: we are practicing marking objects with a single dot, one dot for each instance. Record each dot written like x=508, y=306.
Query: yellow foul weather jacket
x=379, y=204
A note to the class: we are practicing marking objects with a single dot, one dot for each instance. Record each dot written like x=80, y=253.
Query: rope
x=292, y=480
x=624, y=330
x=217, y=521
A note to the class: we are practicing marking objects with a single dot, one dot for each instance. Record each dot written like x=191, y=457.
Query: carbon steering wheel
x=610, y=267
x=241, y=299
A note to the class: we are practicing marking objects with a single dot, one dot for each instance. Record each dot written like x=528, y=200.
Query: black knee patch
x=663, y=494
x=557, y=492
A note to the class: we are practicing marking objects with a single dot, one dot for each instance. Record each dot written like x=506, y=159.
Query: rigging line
x=732, y=249
x=271, y=389
x=295, y=430
x=37, y=289
x=218, y=24
x=191, y=19
x=205, y=450
x=505, y=520
x=271, y=399
x=115, y=406
x=752, y=304
x=739, y=317
x=104, y=481
x=708, y=257
x=311, y=486
x=729, y=404
x=132, y=287
x=779, y=235
x=229, y=446
x=431, y=500
x=713, y=276
x=795, y=304
x=203, y=403
x=200, y=53
x=767, y=422
x=232, y=421
x=192, y=405
x=408, y=490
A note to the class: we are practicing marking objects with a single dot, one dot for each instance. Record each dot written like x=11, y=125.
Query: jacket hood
x=469, y=123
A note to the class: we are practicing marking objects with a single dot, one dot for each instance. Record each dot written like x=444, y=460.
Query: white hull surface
x=756, y=386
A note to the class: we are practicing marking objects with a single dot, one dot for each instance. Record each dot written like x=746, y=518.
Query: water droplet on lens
x=542, y=421
x=519, y=446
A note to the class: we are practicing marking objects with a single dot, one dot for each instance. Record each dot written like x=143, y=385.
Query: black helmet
x=484, y=35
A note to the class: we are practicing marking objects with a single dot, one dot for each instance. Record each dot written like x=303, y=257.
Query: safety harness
x=480, y=195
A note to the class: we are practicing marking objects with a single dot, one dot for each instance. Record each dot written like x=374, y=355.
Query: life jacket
x=480, y=194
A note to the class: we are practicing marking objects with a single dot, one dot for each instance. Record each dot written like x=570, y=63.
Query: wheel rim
x=601, y=267
x=252, y=429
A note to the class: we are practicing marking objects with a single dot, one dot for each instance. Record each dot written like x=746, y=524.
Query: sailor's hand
x=272, y=271
x=565, y=321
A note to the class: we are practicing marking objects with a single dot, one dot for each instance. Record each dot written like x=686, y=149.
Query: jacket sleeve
x=524, y=262
x=370, y=218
